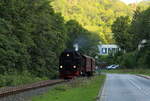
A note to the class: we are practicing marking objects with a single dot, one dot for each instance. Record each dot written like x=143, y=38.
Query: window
x=104, y=50
x=113, y=50
x=109, y=50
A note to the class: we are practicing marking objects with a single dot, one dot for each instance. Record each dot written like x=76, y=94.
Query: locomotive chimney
x=76, y=46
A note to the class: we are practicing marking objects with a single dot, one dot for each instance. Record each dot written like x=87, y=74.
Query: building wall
x=106, y=49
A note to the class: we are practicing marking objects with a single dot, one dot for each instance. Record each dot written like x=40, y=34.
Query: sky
x=131, y=1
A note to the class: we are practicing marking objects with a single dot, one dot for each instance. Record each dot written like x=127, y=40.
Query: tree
x=94, y=15
x=120, y=29
x=32, y=36
x=86, y=40
x=140, y=26
x=129, y=34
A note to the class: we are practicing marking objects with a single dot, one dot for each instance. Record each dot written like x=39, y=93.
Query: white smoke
x=80, y=42
x=76, y=46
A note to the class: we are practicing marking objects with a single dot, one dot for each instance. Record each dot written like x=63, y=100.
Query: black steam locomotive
x=73, y=63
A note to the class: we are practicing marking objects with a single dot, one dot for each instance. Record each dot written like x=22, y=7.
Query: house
x=106, y=49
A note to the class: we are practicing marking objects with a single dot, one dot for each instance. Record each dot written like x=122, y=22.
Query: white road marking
x=134, y=84
x=137, y=90
x=138, y=87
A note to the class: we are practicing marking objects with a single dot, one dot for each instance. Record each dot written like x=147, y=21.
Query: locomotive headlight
x=68, y=55
x=74, y=66
x=61, y=67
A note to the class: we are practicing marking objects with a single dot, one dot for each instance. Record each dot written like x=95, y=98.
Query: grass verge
x=77, y=90
x=129, y=71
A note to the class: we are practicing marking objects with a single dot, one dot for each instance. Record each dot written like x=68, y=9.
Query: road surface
x=124, y=87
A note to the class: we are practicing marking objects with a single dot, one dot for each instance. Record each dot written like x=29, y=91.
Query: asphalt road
x=124, y=87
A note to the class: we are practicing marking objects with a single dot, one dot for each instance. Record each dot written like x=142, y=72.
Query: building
x=106, y=49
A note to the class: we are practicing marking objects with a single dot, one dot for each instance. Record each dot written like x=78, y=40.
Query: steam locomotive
x=73, y=64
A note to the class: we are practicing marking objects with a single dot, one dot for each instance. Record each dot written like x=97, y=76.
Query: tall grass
x=15, y=78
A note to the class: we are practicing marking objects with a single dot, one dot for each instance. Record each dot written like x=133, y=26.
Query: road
x=125, y=87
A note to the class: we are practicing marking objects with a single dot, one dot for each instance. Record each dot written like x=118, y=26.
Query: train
x=74, y=64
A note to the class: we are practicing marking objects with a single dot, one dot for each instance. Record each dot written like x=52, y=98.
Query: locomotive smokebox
x=76, y=46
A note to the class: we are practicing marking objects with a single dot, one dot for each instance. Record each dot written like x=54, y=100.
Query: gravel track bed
x=27, y=95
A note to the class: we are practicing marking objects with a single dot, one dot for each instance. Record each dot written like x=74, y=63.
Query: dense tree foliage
x=86, y=41
x=130, y=35
x=129, y=32
x=34, y=33
x=95, y=15
x=143, y=5
x=32, y=36
x=141, y=26
x=120, y=28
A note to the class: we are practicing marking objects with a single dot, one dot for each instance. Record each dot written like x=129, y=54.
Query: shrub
x=127, y=60
x=15, y=78
x=143, y=60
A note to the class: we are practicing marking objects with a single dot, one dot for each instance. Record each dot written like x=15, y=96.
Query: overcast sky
x=131, y=1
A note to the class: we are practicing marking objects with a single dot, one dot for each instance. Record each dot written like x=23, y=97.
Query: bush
x=129, y=60
x=143, y=61
x=15, y=78
x=136, y=59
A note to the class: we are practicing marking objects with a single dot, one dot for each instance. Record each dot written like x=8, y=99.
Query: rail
x=18, y=89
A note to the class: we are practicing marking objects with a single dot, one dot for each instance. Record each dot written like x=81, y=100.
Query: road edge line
x=143, y=76
x=98, y=98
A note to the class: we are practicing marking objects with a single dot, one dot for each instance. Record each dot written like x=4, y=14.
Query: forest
x=132, y=34
x=32, y=36
x=94, y=15
x=34, y=33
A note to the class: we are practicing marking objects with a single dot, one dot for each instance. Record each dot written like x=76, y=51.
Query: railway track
x=4, y=92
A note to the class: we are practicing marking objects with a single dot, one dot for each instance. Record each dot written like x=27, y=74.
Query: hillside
x=94, y=15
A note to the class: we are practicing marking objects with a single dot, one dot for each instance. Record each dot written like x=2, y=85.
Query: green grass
x=78, y=90
x=15, y=79
x=129, y=71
